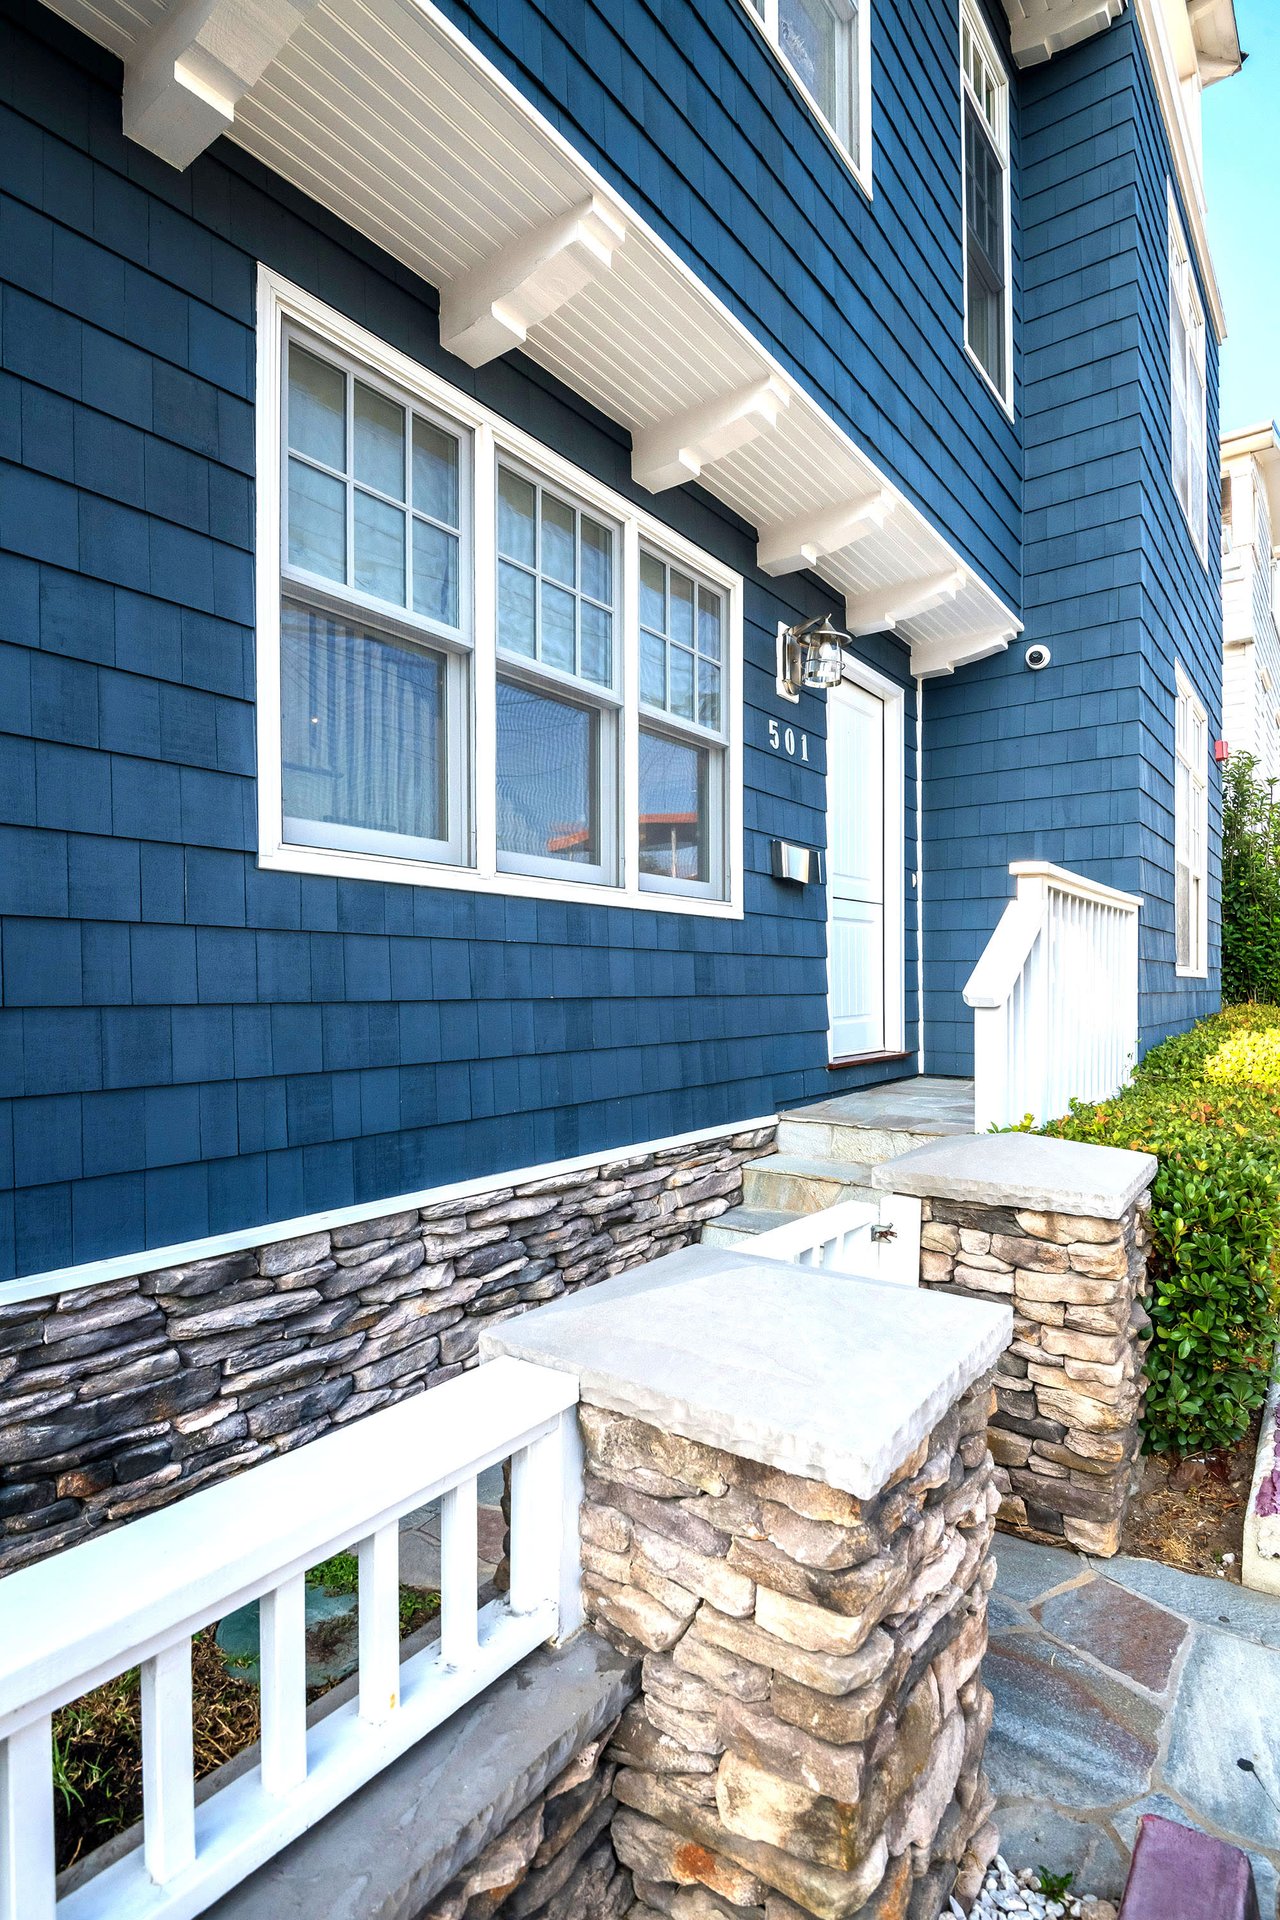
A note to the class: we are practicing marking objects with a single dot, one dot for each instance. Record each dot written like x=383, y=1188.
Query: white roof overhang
x=1261, y=444
x=384, y=112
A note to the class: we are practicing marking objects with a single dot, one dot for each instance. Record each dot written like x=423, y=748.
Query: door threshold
x=867, y=1059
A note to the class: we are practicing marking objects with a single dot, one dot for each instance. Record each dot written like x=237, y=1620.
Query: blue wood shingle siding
x=189, y=1044
x=1075, y=764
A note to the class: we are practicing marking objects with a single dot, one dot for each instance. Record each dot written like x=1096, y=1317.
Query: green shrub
x=1207, y=1105
x=1250, y=884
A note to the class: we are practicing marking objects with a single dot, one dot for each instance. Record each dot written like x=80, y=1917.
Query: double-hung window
x=477, y=665
x=987, y=275
x=1188, y=401
x=1191, y=830
x=823, y=44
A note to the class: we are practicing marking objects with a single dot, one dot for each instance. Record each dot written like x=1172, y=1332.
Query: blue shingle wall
x=1074, y=764
x=188, y=1044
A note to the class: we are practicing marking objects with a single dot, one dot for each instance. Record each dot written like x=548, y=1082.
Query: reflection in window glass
x=363, y=727
x=674, y=837
x=681, y=624
x=819, y=41
x=548, y=776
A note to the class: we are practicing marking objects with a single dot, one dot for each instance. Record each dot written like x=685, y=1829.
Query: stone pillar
x=1058, y=1230
x=788, y=1506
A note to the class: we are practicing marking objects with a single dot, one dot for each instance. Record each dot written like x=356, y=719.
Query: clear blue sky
x=1242, y=179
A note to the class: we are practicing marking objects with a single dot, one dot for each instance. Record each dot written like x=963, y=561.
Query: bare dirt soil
x=1190, y=1513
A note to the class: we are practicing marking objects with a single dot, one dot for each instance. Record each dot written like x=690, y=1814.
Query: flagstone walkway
x=1125, y=1687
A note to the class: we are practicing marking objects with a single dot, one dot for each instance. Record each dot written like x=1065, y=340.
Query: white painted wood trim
x=895, y=854
x=168, y=1778
x=279, y=300
x=859, y=160
x=123, y=1266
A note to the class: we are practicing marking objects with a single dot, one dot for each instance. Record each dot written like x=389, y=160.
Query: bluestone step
x=796, y=1184
x=740, y=1223
x=861, y=1146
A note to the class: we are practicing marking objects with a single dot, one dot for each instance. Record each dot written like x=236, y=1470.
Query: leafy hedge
x=1207, y=1104
x=1250, y=884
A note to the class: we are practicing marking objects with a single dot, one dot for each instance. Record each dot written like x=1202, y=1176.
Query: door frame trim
x=895, y=854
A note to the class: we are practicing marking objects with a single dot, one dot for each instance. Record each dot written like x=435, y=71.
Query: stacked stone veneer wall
x=119, y=1398
x=810, y=1729
x=555, y=1861
x=1065, y=1432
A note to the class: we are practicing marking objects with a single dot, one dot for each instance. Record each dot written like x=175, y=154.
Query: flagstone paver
x=1124, y=1687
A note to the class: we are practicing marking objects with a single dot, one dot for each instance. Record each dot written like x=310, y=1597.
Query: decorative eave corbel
x=186, y=77
x=490, y=309
x=1036, y=33
x=884, y=610
x=676, y=450
x=931, y=659
x=809, y=537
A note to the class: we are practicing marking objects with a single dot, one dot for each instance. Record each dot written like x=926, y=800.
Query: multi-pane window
x=682, y=625
x=821, y=43
x=557, y=738
x=372, y=538
x=1188, y=402
x=1191, y=830
x=985, y=111
x=489, y=668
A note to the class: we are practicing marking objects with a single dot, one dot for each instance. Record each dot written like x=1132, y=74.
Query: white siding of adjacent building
x=1251, y=636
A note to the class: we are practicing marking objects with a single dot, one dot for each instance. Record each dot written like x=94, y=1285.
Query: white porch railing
x=136, y=1596
x=1055, y=997
x=867, y=1242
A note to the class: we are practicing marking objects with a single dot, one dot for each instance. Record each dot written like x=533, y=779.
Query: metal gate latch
x=884, y=1233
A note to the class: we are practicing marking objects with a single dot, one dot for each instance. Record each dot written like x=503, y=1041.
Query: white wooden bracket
x=884, y=610
x=807, y=538
x=676, y=450
x=490, y=309
x=931, y=659
x=186, y=77
x=1037, y=33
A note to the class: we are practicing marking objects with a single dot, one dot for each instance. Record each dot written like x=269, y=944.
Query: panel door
x=855, y=871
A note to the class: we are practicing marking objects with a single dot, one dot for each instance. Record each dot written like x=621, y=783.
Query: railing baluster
x=537, y=1523
x=380, y=1624
x=458, y=1566
x=282, y=1630
x=26, y=1823
x=168, y=1767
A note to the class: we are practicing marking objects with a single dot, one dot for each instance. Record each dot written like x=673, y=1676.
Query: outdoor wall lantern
x=812, y=655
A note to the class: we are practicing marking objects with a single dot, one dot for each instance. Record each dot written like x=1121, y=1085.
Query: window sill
x=1191, y=973
x=1005, y=403
x=417, y=873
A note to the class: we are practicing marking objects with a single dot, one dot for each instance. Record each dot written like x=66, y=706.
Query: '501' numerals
x=787, y=740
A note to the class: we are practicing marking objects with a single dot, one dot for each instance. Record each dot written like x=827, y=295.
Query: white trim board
x=126, y=1266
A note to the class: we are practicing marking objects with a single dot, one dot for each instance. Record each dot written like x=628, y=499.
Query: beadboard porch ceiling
x=384, y=113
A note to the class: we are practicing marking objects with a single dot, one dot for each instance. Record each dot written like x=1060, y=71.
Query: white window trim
x=858, y=161
x=1182, y=279
x=1184, y=691
x=970, y=15
x=280, y=301
x=895, y=852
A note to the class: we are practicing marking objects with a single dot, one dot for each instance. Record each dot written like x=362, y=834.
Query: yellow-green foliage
x=1207, y=1105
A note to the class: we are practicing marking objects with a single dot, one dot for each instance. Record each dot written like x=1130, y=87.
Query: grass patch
x=97, y=1757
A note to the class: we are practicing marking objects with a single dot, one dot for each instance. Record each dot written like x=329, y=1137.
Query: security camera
x=1037, y=657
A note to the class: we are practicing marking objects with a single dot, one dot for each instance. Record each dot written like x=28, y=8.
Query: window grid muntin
x=548, y=490
x=701, y=658
x=354, y=372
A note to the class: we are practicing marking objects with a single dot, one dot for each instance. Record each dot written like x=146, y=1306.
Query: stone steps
x=825, y=1153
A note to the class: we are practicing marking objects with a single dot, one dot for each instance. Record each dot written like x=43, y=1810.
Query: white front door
x=856, y=840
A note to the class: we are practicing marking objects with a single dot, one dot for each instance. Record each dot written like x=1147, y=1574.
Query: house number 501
x=787, y=740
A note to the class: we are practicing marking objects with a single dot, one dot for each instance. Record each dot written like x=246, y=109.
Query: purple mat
x=1180, y=1874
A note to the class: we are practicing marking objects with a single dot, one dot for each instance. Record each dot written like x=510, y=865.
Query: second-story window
x=1188, y=405
x=985, y=113
x=1190, y=830
x=823, y=45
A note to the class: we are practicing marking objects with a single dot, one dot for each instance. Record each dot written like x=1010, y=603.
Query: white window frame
x=763, y=15
x=970, y=17
x=282, y=304
x=1184, y=294
x=1191, y=830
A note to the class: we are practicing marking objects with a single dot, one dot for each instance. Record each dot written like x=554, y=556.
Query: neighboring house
x=1251, y=595
x=418, y=423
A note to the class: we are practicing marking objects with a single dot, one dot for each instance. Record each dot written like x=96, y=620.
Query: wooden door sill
x=866, y=1059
